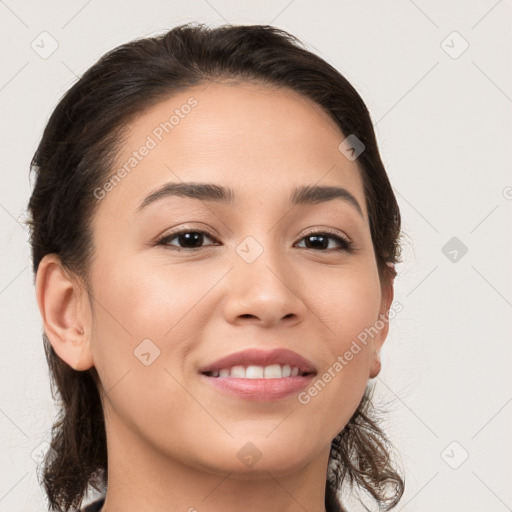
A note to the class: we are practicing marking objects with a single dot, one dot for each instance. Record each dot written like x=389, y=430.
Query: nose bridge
x=262, y=282
x=260, y=259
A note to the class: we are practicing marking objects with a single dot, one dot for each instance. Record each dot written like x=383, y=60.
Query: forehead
x=261, y=141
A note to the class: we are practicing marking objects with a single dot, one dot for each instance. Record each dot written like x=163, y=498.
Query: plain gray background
x=436, y=77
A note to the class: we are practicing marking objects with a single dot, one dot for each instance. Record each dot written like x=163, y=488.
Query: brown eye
x=188, y=239
x=320, y=241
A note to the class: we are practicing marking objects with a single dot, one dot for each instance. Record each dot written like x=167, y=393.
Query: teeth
x=238, y=372
x=253, y=372
x=273, y=371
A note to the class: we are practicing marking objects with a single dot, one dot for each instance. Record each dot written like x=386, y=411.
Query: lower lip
x=260, y=389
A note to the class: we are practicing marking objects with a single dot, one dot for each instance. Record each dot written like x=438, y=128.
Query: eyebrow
x=305, y=194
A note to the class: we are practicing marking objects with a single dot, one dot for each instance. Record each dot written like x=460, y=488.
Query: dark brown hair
x=76, y=154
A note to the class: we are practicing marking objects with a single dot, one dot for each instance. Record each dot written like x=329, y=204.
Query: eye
x=192, y=239
x=319, y=241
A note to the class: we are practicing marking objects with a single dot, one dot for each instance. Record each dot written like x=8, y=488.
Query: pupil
x=191, y=237
x=316, y=238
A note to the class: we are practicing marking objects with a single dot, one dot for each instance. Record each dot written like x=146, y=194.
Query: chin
x=252, y=460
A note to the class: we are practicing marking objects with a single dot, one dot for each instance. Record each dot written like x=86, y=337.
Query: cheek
x=136, y=302
x=348, y=302
x=145, y=323
x=349, y=306
x=147, y=300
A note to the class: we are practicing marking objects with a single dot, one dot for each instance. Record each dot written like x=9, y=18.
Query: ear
x=387, y=293
x=62, y=300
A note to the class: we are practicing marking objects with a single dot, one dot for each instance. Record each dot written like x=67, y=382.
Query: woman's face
x=257, y=279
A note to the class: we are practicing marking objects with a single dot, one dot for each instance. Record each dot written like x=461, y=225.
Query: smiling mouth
x=273, y=371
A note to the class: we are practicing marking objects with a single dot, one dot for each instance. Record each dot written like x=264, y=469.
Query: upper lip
x=260, y=357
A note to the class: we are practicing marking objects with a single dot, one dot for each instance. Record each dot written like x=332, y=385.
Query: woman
x=214, y=238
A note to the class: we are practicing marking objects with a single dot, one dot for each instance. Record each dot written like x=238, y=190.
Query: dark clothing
x=95, y=506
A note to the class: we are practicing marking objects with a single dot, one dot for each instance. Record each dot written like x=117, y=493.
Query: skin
x=172, y=439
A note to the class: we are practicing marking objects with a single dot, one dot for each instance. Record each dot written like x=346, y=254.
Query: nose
x=264, y=291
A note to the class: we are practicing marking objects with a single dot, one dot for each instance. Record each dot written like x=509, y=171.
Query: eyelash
x=346, y=245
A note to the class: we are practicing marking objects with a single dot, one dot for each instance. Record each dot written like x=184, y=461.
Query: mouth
x=256, y=374
x=260, y=364
x=273, y=371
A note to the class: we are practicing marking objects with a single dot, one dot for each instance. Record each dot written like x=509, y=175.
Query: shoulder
x=95, y=506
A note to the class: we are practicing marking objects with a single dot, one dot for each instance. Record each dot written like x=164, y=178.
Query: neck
x=141, y=477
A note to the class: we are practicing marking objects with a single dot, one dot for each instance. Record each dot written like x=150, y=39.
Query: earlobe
x=387, y=293
x=375, y=366
x=60, y=299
